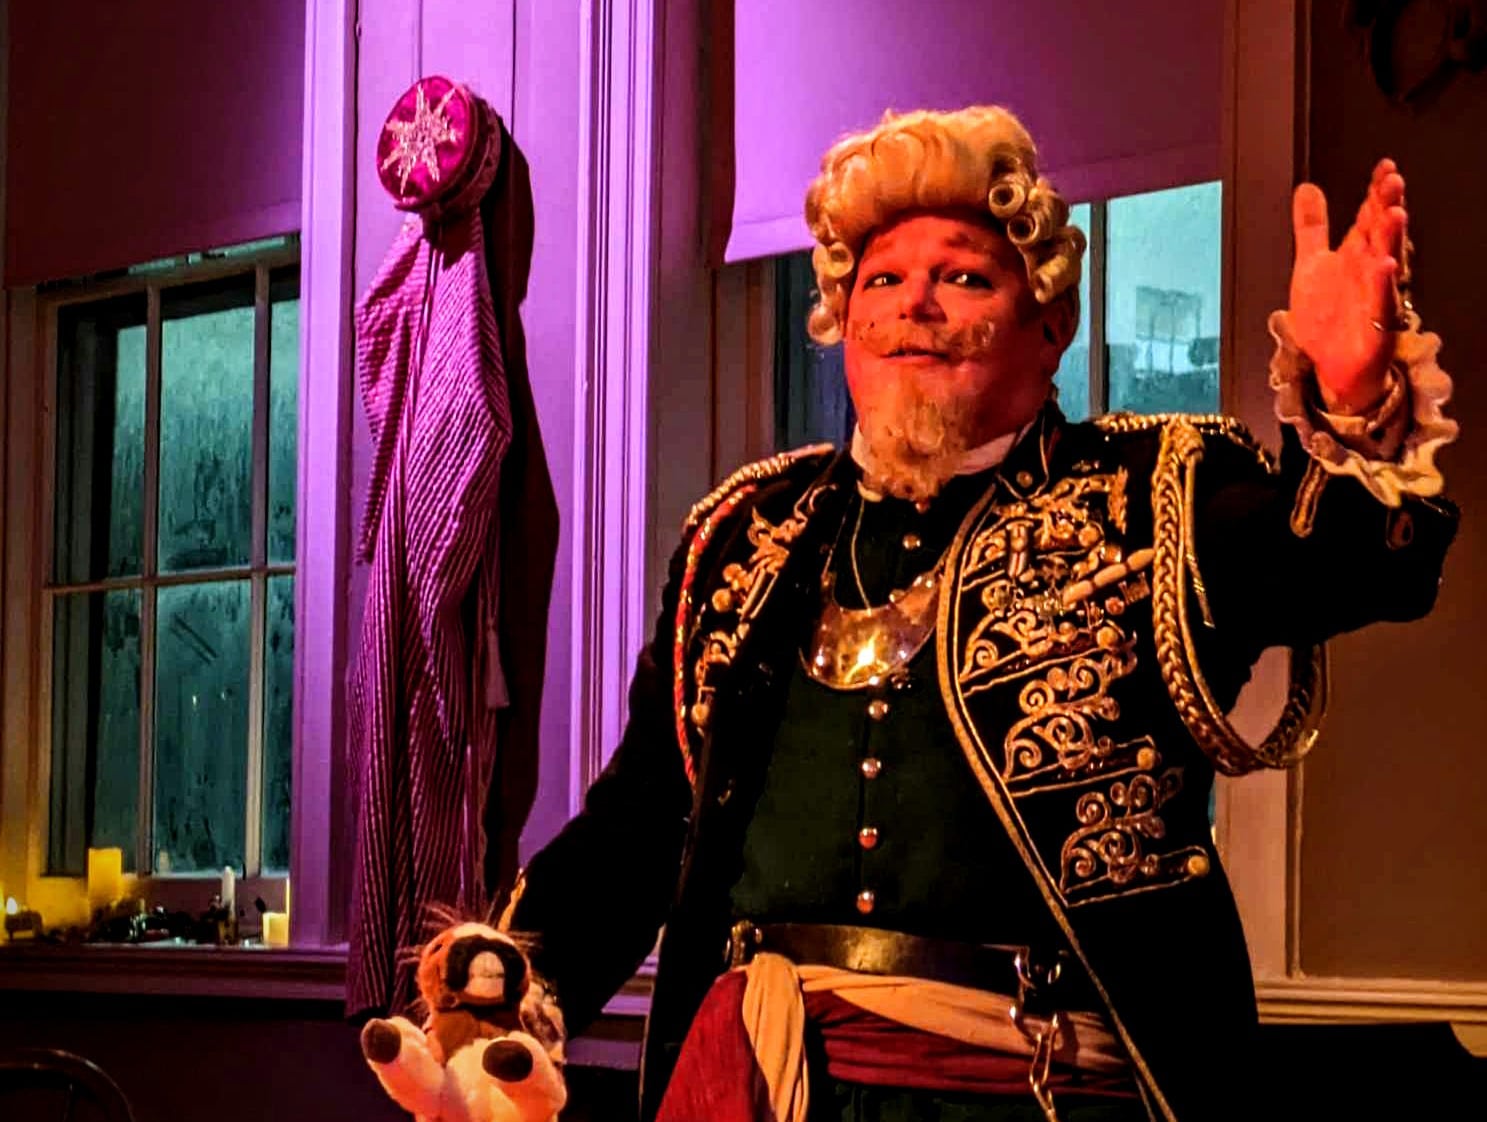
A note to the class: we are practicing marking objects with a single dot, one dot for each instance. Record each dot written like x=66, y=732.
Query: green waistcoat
x=869, y=813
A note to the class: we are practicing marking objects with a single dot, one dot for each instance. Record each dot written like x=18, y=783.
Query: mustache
x=898, y=336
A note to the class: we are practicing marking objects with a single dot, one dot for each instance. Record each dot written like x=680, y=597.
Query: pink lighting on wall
x=1121, y=98
x=192, y=117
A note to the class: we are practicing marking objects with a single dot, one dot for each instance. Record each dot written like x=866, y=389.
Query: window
x=1148, y=339
x=1148, y=335
x=169, y=609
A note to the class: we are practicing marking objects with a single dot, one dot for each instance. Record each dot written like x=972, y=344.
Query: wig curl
x=980, y=156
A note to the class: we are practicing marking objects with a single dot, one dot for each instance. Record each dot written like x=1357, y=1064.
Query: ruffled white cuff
x=1391, y=449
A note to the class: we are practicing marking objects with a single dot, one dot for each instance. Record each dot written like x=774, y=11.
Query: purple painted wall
x=1122, y=97
x=139, y=131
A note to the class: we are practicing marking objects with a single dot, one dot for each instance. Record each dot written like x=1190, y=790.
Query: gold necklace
x=852, y=551
x=862, y=648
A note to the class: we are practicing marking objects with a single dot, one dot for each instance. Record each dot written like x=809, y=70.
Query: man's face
x=945, y=346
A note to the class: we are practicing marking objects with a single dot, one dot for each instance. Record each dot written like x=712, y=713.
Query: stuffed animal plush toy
x=475, y=1059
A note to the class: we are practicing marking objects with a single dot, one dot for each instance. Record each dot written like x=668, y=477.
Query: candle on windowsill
x=228, y=891
x=276, y=929
x=105, y=877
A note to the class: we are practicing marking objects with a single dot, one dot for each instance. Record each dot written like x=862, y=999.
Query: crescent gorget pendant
x=862, y=648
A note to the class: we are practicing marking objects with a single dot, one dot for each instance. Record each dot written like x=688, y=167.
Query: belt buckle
x=1030, y=979
x=743, y=941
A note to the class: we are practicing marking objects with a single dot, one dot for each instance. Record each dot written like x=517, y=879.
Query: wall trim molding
x=217, y=972
x=615, y=267
x=1370, y=1000
x=322, y=532
x=1257, y=832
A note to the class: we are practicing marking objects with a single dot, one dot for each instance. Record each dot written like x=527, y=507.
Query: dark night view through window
x=171, y=596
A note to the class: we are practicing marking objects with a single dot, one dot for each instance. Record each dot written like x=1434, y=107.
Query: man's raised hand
x=1344, y=300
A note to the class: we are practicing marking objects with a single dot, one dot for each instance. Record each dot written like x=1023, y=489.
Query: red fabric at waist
x=716, y=1078
x=862, y=1047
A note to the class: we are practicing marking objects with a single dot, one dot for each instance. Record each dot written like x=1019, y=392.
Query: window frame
x=322, y=822
x=176, y=890
x=171, y=890
x=1096, y=269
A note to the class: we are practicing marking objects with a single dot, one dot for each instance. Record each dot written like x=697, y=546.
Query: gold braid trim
x=1209, y=424
x=750, y=473
x=1295, y=733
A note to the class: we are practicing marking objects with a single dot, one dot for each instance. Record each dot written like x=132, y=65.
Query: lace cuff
x=1391, y=449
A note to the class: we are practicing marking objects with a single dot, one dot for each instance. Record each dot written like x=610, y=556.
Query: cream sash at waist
x=774, y=1016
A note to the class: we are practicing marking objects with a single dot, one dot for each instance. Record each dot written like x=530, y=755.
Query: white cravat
x=977, y=459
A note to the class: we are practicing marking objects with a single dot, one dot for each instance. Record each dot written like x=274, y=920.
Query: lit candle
x=105, y=876
x=276, y=929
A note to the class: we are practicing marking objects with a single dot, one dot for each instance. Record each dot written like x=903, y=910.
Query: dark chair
x=50, y=1085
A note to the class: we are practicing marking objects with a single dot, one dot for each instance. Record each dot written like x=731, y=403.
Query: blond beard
x=914, y=434
x=913, y=442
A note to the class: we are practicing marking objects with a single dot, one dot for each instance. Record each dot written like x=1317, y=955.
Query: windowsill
x=292, y=973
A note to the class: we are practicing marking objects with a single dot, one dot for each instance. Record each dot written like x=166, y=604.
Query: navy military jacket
x=1057, y=693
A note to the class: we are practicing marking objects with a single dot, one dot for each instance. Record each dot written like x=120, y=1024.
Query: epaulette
x=767, y=468
x=1209, y=424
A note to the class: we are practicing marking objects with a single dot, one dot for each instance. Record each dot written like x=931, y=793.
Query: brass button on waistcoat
x=912, y=541
x=866, y=900
x=870, y=767
x=867, y=837
x=1024, y=479
x=877, y=709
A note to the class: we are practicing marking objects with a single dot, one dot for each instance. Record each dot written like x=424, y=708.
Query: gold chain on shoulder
x=767, y=468
x=1295, y=733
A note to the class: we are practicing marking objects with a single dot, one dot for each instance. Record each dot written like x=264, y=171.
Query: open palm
x=1343, y=300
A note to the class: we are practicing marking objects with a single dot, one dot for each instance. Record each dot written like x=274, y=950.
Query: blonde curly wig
x=977, y=156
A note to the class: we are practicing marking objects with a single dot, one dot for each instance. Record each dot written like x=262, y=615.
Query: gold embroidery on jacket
x=697, y=714
x=1063, y=736
x=1045, y=583
x=1108, y=855
x=1018, y=567
x=948, y=629
x=735, y=603
x=702, y=524
x=767, y=468
x=1209, y=424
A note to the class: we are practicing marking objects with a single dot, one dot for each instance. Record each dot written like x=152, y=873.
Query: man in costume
x=918, y=764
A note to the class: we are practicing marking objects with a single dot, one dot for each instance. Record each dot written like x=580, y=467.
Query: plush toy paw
x=507, y=1060
x=381, y=1041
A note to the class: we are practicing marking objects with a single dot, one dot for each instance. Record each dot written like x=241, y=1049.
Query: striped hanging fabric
x=427, y=679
